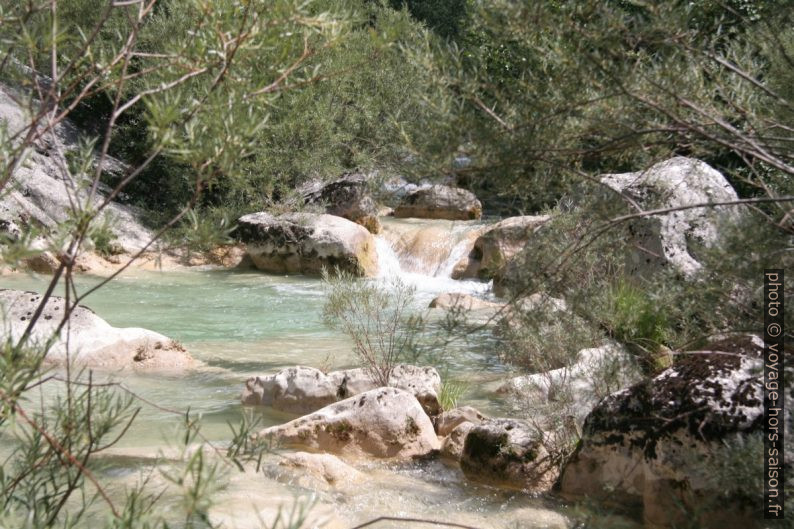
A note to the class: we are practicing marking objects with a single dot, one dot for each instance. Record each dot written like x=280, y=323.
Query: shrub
x=376, y=317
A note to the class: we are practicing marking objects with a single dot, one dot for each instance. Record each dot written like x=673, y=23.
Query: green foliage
x=195, y=84
x=202, y=231
x=633, y=317
x=446, y=17
x=543, y=95
x=451, y=392
x=378, y=318
x=104, y=238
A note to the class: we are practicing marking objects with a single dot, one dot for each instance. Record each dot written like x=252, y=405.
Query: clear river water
x=241, y=324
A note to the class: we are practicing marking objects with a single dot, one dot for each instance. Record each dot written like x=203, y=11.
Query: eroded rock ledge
x=92, y=341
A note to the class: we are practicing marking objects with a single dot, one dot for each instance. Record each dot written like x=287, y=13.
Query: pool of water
x=243, y=324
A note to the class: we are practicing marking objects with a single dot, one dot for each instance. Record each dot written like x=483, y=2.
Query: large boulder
x=381, y=423
x=440, y=202
x=508, y=453
x=305, y=243
x=494, y=248
x=671, y=239
x=41, y=195
x=577, y=387
x=652, y=445
x=348, y=197
x=306, y=389
x=91, y=340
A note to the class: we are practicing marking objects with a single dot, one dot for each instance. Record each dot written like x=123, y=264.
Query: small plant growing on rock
x=104, y=239
x=451, y=392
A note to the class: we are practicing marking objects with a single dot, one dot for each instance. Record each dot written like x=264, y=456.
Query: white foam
x=427, y=286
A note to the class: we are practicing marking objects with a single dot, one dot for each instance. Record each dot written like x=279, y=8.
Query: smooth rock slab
x=440, y=202
x=508, y=453
x=303, y=389
x=92, y=341
x=305, y=243
x=381, y=423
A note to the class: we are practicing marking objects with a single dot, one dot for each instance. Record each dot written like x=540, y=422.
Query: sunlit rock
x=449, y=420
x=305, y=243
x=440, y=202
x=671, y=239
x=88, y=339
x=306, y=389
x=381, y=423
x=348, y=197
x=452, y=444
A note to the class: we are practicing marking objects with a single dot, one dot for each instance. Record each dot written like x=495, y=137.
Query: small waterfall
x=388, y=262
x=427, y=247
x=459, y=251
x=423, y=253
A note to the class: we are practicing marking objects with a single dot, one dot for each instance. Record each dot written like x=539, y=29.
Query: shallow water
x=242, y=324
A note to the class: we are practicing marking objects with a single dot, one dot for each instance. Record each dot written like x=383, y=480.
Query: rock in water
x=454, y=426
x=440, y=202
x=508, y=453
x=382, y=423
x=92, y=341
x=305, y=243
x=348, y=197
x=449, y=420
x=302, y=389
x=642, y=446
x=667, y=239
x=494, y=248
x=464, y=302
x=315, y=471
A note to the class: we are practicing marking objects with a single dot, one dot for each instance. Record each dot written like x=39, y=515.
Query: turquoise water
x=238, y=325
x=243, y=324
